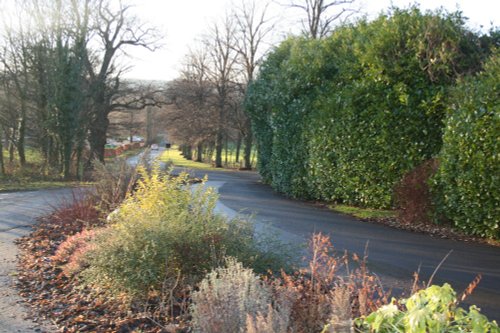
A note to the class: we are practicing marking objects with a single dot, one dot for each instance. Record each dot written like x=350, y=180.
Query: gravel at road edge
x=18, y=211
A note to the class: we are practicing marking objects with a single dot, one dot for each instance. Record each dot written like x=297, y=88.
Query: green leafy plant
x=165, y=229
x=467, y=184
x=430, y=310
x=344, y=118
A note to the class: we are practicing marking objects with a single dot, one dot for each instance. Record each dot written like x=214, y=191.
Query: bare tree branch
x=319, y=16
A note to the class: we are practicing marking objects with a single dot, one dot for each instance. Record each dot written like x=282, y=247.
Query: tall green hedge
x=344, y=118
x=279, y=103
x=468, y=179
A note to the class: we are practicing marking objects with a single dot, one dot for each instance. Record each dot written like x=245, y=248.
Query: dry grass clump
x=113, y=181
x=274, y=321
x=226, y=297
x=233, y=299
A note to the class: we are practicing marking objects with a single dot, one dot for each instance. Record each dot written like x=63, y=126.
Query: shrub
x=71, y=253
x=323, y=294
x=226, y=297
x=75, y=214
x=413, y=196
x=467, y=184
x=113, y=181
x=344, y=118
x=301, y=303
x=166, y=228
x=430, y=310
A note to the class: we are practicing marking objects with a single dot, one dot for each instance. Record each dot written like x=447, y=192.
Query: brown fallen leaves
x=64, y=301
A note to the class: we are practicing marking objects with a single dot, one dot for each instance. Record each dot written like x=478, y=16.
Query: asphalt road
x=393, y=254
x=18, y=211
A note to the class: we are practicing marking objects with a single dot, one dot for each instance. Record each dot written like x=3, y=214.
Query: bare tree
x=15, y=59
x=133, y=98
x=221, y=72
x=253, y=26
x=66, y=68
x=193, y=115
x=116, y=30
x=322, y=14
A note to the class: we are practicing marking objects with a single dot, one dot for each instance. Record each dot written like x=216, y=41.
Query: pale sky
x=181, y=22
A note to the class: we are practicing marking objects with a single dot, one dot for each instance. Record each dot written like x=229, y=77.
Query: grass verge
x=363, y=213
x=16, y=185
x=175, y=157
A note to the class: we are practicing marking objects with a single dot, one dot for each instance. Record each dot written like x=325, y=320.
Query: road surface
x=18, y=211
x=394, y=254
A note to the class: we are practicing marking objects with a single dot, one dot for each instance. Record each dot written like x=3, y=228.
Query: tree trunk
x=149, y=125
x=131, y=133
x=67, y=149
x=226, y=148
x=2, y=166
x=199, y=152
x=248, y=148
x=238, y=148
x=97, y=137
x=218, y=149
x=188, y=152
x=12, y=147
x=79, y=169
x=20, y=139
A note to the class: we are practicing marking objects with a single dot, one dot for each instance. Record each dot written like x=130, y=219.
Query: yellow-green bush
x=164, y=229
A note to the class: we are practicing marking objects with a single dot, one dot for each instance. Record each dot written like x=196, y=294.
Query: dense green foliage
x=468, y=179
x=344, y=118
x=430, y=310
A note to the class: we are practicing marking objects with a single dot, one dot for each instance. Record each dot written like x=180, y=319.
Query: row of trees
x=344, y=117
x=208, y=96
x=60, y=77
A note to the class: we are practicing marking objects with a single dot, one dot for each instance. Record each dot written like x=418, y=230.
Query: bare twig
x=437, y=268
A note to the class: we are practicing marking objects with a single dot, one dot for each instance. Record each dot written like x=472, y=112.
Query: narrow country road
x=18, y=211
x=393, y=254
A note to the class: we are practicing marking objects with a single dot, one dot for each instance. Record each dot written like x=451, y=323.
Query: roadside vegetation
x=399, y=112
x=396, y=113
x=145, y=251
x=32, y=176
x=179, y=156
x=363, y=213
x=175, y=156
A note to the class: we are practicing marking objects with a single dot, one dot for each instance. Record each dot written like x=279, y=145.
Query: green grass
x=228, y=161
x=31, y=177
x=363, y=213
x=174, y=156
x=24, y=185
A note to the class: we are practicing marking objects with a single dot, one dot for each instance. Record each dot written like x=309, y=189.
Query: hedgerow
x=467, y=186
x=344, y=118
